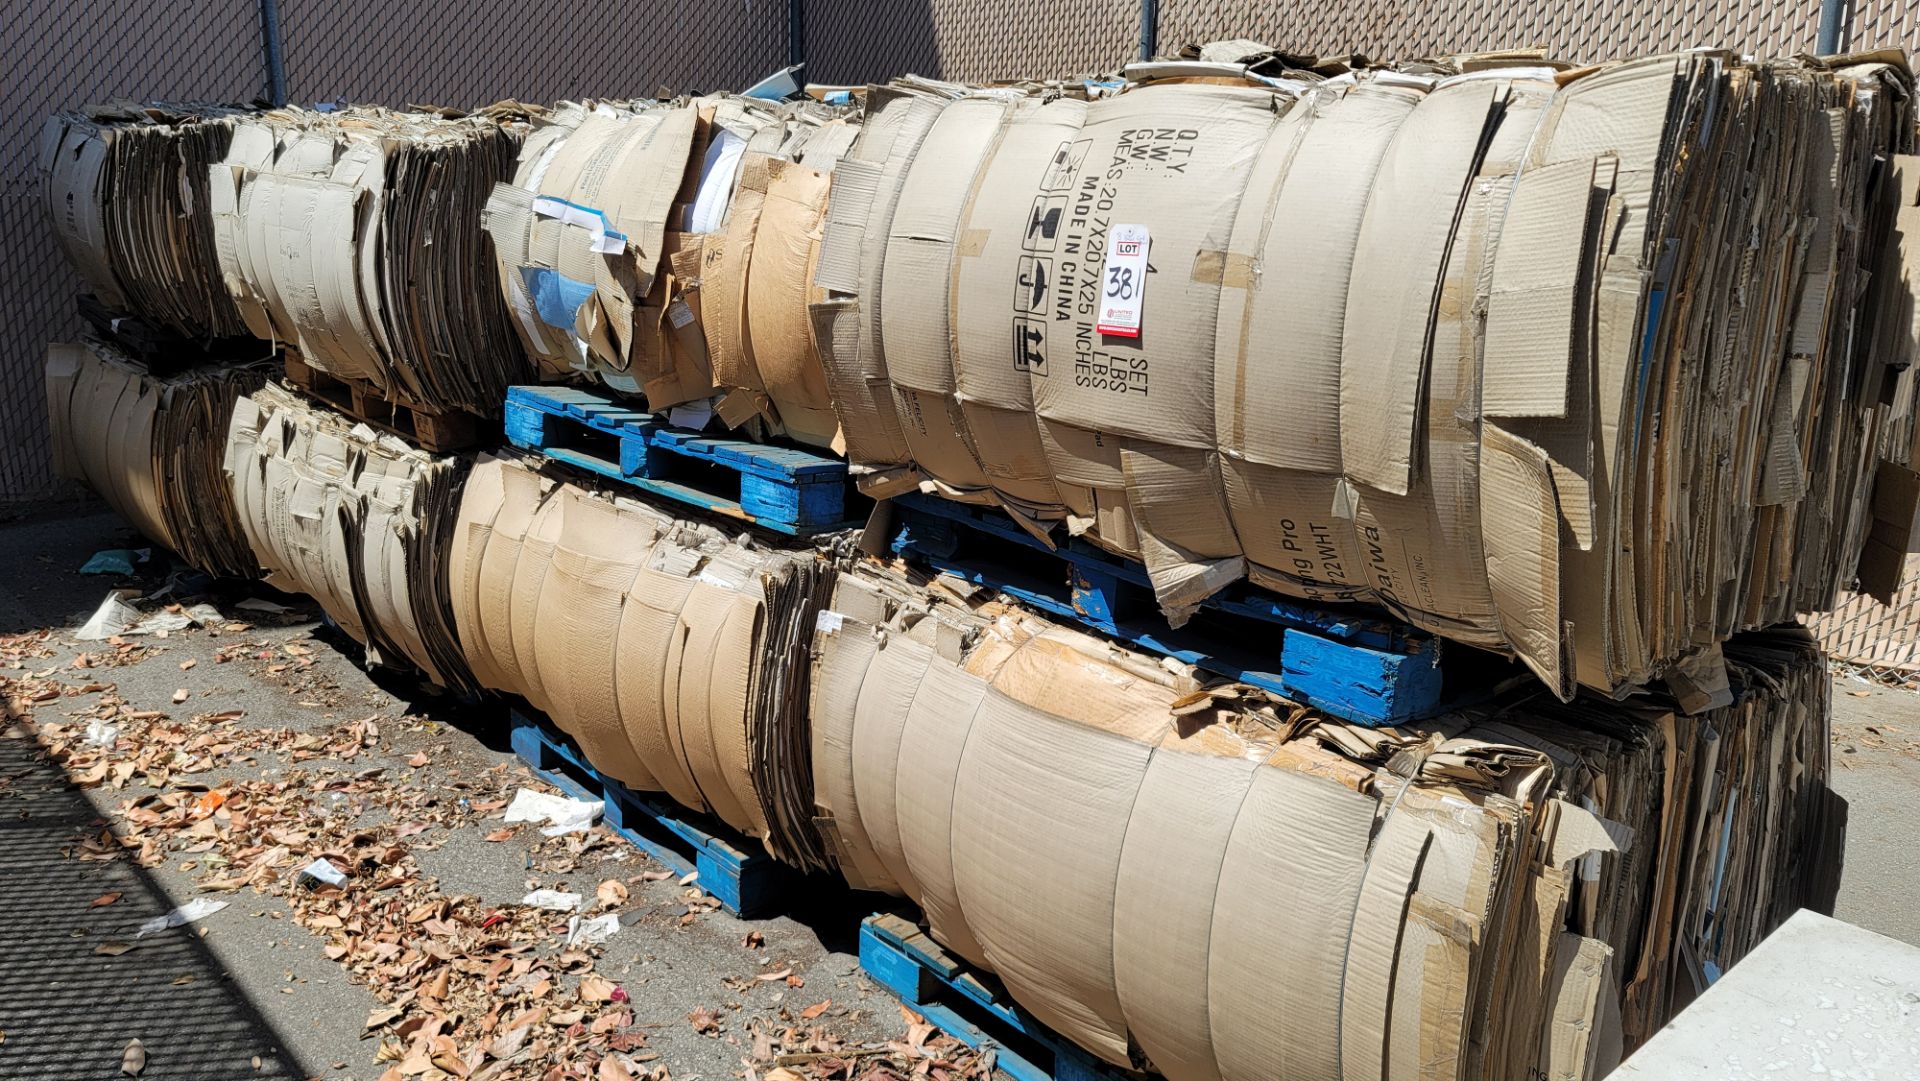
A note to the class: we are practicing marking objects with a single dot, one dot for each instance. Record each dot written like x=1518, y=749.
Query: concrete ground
x=1876, y=766
x=251, y=992
x=248, y=992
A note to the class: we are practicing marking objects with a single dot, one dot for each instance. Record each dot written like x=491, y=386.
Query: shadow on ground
x=68, y=1009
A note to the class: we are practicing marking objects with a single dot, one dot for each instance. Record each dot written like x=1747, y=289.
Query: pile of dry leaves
x=469, y=991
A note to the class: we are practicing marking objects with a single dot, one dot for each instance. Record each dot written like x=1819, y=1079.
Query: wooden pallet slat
x=727, y=866
x=436, y=431
x=1351, y=664
x=898, y=956
x=779, y=488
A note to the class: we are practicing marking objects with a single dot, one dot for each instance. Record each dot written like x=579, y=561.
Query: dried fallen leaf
x=705, y=1020
x=816, y=1009
x=611, y=894
x=180, y=696
x=134, y=1058
x=112, y=949
x=754, y=940
x=500, y=835
x=608, y=1022
x=596, y=988
x=419, y=759
x=188, y=663
x=105, y=899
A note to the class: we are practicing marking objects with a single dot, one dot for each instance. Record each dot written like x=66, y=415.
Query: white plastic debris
x=162, y=623
x=593, y=931
x=692, y=415
x=566, y=815
x=114, y=616
x=197, y=909
x=322, y=871
x=102, y=734
x=204, y=615
x=117, y=616
x=554, y=900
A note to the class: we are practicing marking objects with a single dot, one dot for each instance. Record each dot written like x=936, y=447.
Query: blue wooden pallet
x=1353, y=665
x=970, y=1008
x=779, y=488
x=731, y=868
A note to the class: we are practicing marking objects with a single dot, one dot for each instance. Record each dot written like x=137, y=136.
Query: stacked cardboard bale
x=354, y=236
x=666, y=248
x=1211, y=883
x=1592, y=366
x=675, y=656
x=127, y=189
x=354, y=518
x=153, y=446
x=1552, y=362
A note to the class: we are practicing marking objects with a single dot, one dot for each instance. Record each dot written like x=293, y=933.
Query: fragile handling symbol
x=1043, y=223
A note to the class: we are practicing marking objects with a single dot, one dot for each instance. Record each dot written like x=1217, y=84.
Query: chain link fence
x=468, y=52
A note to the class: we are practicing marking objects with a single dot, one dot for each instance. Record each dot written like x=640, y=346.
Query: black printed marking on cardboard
x=1065, y=164
x=1030, y=346
x=1118, y=373
x=1043, y=223
x=1032, y=280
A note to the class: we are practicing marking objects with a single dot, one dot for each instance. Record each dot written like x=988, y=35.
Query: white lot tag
x=1123, y=281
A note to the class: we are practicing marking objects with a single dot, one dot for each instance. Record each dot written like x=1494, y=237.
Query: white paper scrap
x=594, y=931
x=566, y=815
x=114, y=616
x=197, y=909
x=553, y=900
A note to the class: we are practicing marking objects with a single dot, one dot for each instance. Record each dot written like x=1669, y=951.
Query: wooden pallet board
x=779, y=488
x=727, y=866
x=1352, y=664
x=434, y=430
x=970, y=1008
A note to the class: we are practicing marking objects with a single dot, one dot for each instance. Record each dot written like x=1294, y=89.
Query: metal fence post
x=270, y=37
x=1149, y=28
x=796, y=32
x=1832, y=13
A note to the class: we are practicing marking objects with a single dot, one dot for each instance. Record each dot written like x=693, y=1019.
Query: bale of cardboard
x=153, y=446
x=1206, y=882
x=674, y=654
x=357, y=519
x=354, y=236
x=666, y=248
x=126, y=189
x=1592, y=366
